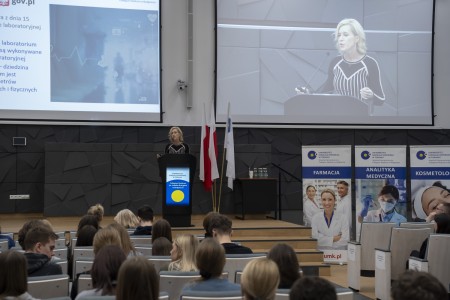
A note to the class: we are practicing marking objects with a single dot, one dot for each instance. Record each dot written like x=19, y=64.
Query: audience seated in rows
x=98, y=211
x=87, y=220
x=414, y=285
x=161, y=228
x=125, y=241
x=286, y=259
x=145, y=216
x=13, y=276
x=260, y=279
x=312, y=288
x=183, y=252
x=210, y=260
x=85, y=236
x=220, y=227
x=39, y=244
x=127, y=219
x=105, y=271
x=137, y=280
x=106, y=236
x=161, y=247
x=10, y=240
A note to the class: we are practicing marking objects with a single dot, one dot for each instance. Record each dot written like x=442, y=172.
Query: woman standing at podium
x=177, y=145
x=353, y=73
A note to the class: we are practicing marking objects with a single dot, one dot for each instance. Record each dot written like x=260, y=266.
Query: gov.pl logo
x=365, y=155
x=421, y=155
x=4, y=2
x=312, y=154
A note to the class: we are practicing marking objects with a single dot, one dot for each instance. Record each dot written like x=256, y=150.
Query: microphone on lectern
x=307, y=89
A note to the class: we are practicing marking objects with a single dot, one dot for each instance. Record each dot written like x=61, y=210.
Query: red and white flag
x=208, y=151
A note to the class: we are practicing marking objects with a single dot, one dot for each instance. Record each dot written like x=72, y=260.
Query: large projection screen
x=80, y=60
x=278, y=62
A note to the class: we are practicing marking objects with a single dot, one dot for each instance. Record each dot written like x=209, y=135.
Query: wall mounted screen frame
x=80, y=61
x=268, y=51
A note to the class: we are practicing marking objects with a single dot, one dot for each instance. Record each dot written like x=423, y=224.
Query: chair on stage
x=437, y=260
x=214, y=295
x=237, y=262
x=391, y=262
x=43, y=287
x=361, y=255
x=173, y=282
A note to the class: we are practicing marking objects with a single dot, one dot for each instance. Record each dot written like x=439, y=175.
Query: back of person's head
x=260, y=279
x=97, y=210
x=210, y=258
x=220, y=224
x=137, y=280
x=286, y=259
x=312, y=288
x=40, y=234
x=13, y=274
x=126, y=218
x=106, y=236
x=186, y=245
x=87, y=220
x=105, y=269
x=85, y=236
x=413, y=285
x=145, y=213
x=125, y=240
x=207, y=221
x=161, y=247
x=442, y=223
x=161, y=228
x=26, y=227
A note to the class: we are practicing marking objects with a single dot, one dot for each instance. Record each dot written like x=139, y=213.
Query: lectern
x=177, y=174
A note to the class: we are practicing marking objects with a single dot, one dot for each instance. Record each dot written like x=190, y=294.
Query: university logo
x=421, y=155
x=365, y=155
x=312, y=154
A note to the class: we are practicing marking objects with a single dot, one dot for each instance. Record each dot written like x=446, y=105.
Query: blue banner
x=380, y=172
x=177, y=187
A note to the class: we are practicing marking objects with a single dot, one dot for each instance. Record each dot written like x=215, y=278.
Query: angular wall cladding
x=133, y=175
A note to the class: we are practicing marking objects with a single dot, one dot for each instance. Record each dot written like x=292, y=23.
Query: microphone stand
x=280, y=170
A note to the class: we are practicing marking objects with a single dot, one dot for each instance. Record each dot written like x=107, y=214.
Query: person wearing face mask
x=387, y=199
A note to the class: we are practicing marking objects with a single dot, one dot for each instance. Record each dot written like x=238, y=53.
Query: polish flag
x=208, y=152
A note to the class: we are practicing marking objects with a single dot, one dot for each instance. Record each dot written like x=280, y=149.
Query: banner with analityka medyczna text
x=430, y=180
x=327, y=172
x=380, y=184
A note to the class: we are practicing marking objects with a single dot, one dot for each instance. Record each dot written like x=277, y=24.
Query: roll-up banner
x=380, y=182
x=327, y=174
x=430, y=180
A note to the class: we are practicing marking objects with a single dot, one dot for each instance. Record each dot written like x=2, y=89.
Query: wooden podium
x=256, y=195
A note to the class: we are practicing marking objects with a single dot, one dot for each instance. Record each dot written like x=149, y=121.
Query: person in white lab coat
x=310, y=207
x=344, y=203
x=330, y=228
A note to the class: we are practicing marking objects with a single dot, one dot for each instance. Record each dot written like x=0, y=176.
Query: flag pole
x=221, y=174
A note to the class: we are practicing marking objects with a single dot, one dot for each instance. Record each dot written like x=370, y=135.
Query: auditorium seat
x=160, y=262
x=437, y=260
x=44, y=287
x=391, y=262
x=141, y=240
x=361, y=255
x=84, y=282
x=81, y=266
x=172, y=282
x=215, y=295
x=418, y=225
x=237, y=262
x=3, y=245
x=145, y=250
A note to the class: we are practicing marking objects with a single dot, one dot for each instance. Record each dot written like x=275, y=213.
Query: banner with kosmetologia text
x=430, y=179
x=327, y=174
x=380, y=182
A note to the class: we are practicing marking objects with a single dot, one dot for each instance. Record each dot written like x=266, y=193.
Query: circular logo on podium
x=177, y=196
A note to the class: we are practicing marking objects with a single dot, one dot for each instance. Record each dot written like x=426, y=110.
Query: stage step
x=267, y=242
x=252, y=232
x=303, y=255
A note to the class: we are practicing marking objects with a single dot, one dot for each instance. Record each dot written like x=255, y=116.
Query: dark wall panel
x=8, y=170
x=30, y=167
x=36, y=202
x=7, y=205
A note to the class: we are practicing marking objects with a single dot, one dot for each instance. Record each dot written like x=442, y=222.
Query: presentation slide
x=80, y=60
x=347, y=62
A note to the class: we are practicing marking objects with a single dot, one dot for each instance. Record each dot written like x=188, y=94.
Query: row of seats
x=384, y=250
